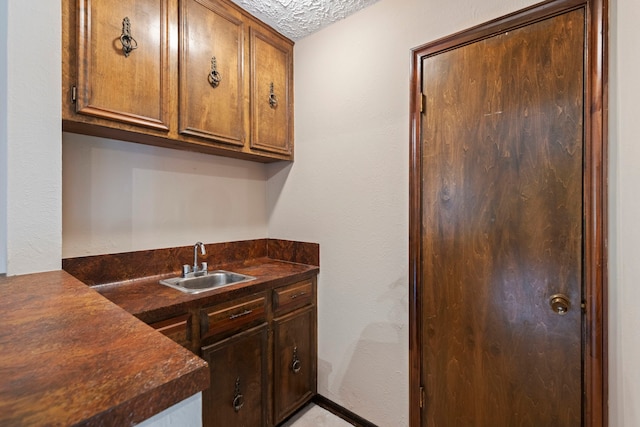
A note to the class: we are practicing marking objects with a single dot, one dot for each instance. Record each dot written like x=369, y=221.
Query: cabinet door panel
x=131, y=88
x=239, y=384
x=294, y=361
x=215, y=113
x=271, y=94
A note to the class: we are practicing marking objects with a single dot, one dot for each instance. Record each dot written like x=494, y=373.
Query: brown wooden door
x=502, y=227
x=211, y=70
x=271, y=92
x=133, y=86
x=294, y=361
x=238, y=394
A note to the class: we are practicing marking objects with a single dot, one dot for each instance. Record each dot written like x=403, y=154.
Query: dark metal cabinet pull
x=214, y=76
x=127, y=40
x=238, y=398
x=273, y=100
x=296, y=365
x=244, y=313
x=299, y=294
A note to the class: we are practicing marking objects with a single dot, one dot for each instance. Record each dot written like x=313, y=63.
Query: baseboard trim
x=341, y=411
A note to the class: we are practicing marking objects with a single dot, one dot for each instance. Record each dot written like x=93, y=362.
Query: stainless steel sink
x=211, y=280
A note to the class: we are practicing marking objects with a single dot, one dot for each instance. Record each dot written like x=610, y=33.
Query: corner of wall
x=4, y=7
x=32, y=200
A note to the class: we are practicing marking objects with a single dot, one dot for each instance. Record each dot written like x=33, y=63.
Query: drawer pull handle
x=244, y=313
x=296, y=365
x=238, y=398
x=299, y=294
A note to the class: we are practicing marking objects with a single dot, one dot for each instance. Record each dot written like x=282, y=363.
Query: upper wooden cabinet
x=271, y=100
x=122, y=59
x=211, y=72
x=199, y=75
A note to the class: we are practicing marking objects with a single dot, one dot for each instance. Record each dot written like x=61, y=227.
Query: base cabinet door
x=294, y=361
x=238, y=394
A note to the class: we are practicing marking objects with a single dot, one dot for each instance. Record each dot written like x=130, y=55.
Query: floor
x=315, y=416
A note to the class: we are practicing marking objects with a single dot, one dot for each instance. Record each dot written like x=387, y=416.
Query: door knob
x=560, y=303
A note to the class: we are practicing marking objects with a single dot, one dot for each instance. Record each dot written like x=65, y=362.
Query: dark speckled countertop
x=70, y=357
x=131, y=280
x=150, y=301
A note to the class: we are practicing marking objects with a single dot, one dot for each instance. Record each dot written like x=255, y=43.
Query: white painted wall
x=4, y=9
x=624, y=243
x=120, y=197
x=348, y=190
x=31, y=206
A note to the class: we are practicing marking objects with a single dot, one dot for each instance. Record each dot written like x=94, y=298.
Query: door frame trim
x=594, y=327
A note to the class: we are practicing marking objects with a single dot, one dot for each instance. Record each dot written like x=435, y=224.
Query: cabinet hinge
x=421, y=397
x=423, y=102
x=74, y=94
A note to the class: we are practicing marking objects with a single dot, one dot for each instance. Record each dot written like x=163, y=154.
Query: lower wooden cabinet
x=238, y=394
x=294, y=381
x=262, y=353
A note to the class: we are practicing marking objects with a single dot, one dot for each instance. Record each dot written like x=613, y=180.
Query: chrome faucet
x=196, y=270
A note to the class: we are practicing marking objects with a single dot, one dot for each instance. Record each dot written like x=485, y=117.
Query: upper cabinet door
x=211, y=72
x=123, y=60
x=271, y=93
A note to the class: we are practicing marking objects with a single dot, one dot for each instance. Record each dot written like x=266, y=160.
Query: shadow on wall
x=277, y=174
x=373, y=381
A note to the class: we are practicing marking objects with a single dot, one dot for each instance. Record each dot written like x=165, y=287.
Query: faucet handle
x=204, y=267
x=186, y=269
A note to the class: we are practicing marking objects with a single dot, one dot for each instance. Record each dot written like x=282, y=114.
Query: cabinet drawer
x=290, y=297
x=232, y=317
x=177, y=328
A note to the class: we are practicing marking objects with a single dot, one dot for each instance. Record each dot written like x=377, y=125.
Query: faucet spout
x=195, y=255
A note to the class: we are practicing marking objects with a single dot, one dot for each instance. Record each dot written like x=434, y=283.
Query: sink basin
x=211, y=280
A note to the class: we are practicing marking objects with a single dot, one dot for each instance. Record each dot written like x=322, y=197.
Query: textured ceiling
x=299, y=18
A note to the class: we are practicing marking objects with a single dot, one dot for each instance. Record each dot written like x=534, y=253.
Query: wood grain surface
x=240, y=372
x=210, y=30
x=502, y=227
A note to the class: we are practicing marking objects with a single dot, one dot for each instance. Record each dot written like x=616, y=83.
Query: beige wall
x=624, y=236
x=348, y=190
x=119, y=197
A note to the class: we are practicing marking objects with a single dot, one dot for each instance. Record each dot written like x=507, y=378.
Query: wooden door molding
x=594, y=340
